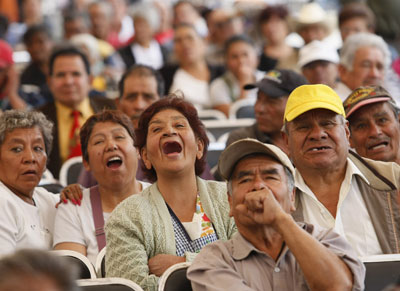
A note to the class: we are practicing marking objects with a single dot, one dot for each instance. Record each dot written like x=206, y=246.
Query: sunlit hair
x=358, y=40
x=16, y=119
x=114, y=116
x=173, y=102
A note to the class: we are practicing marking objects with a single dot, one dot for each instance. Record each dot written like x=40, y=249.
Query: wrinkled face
x=269, y=112
x=39, y=47
x=241, y=55
x=188, y=45
x=321, y=72
x=368, y=68
x=113, y=158
x=352, y=26
x=69, y=83
x=139, y=93
x=22, y=160
x=171, y=145
x=375, y=132
x=255, y=174
x=318, y=139
x=275, y=29
x=312, y=32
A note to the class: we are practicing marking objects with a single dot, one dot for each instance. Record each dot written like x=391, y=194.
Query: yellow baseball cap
x=308, y=97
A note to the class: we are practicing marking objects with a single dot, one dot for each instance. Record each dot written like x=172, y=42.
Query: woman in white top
x=26, y=211
x=107, y=141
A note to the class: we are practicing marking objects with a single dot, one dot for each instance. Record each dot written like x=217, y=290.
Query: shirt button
x=277, y=270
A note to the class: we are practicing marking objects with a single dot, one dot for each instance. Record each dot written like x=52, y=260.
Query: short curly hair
x=15, y=119
x=187, y=109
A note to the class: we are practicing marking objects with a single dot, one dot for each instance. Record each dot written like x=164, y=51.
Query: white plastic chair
x=99, y=266
x=174, y=278
x=243, y=108
x=86, y=268
x=109, y=284
x=211, y=114
x=70, y=170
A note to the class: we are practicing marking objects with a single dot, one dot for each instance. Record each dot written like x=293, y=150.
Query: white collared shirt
x=352, y=218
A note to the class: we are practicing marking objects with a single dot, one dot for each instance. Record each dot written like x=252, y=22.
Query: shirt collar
x=84, y=108
x=351, y=171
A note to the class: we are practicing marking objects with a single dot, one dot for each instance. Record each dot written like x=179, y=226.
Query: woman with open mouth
x=26, y=211
x=108, y=151
x=180, y=213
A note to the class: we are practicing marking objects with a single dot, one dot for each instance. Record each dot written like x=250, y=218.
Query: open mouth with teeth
x=114, y=162
x=171, y=148
x=315, y=149
x=378, y=146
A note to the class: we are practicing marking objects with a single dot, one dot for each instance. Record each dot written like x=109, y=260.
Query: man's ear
x=292, y=200
x=145, y=159
x=230, y=204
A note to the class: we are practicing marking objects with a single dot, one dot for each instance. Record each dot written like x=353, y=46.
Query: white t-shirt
x=352, y=219
x=195, y=91
x=75, y=224
x=23, y=225
x=150, y=56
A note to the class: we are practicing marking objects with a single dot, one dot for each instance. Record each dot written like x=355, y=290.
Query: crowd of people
x=122, y=84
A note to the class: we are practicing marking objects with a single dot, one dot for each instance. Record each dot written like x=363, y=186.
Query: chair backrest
x=100, y=265
x=174, y=278
x=214, y=151
x=219, y=127
x=243, y=108
x=211, y=114
x=381, y=271
x=108, y=284
x=70, y=170
x=86, y=269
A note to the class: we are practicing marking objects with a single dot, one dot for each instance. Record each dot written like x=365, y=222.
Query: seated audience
x=364, y=60
x=318, y=62
x=185, y=12
x=144, y=49
x=313, y=22
x=38, y=43
x=271, y=251
x=355, y=17
x=374, y=124
x=332, y=182
x=193, y=75
x=108, y=151
x=26, y=211
x=70, y=83
x=34, y=270
x=241, y=63
x=223, y=23
x=274, y=28
x=180, y=213
x=273, y=91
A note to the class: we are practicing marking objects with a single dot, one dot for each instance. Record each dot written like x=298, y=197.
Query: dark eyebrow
x=271, y=171
x=242, y=174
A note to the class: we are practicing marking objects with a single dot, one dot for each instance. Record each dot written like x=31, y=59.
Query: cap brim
x=366, y=102
x=241, y=148
x=267, y=87
x=310, y=106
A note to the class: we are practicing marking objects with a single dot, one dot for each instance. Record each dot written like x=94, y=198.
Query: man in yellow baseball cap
x=336, y=188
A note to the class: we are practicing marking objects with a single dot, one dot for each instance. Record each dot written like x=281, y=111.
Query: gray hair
x=36, y=264
x=358, y=40
x=148, y=12
x=15, y=119
x=289, y=176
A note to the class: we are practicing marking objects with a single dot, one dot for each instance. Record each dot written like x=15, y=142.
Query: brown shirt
x=237, y=265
